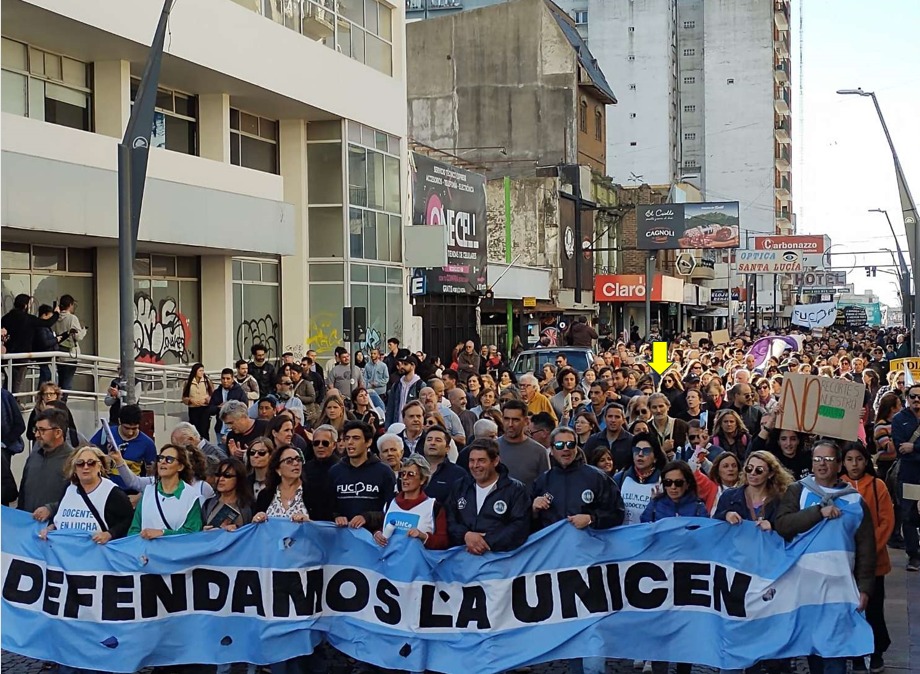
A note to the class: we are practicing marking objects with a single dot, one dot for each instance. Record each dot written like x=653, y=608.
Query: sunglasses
x=913, y=396
x=643, y=451
x=755, y=470
x=674, y=483
x=258, y=452
x=693, y=438
x=565, y=444
x=79, y=463
x=825, y=459
x=764, y=387
x=291, y=460
x=322, y=443
x=226, y=475
x=168, y=460
x=406, y=474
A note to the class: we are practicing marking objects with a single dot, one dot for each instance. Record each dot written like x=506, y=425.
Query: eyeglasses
x=693, y=438
x=79, y=463
x=285, y=383
x=292, y=460
x=565, y=444
x=642, y=451
x=750, y=394
x=825, y=459
x=39, y=429
x=168, y=460
x=674, y=483
x=50, y=394
x=642, y=411
x=913, y=396
x=404, y=474
x=755, y=470
x=764, y=387
x=258, y=452
x=226, y=475
x=322, y=443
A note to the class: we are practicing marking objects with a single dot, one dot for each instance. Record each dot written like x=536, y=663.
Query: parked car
x=533, y=360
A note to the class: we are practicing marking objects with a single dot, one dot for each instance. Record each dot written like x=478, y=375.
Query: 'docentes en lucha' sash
x=724, y=596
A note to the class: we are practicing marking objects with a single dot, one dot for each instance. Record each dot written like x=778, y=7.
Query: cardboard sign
x=720, y=337
x=695, y=337
x=821, y=405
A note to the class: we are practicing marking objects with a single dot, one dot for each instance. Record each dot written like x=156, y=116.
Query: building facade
x=275, y=196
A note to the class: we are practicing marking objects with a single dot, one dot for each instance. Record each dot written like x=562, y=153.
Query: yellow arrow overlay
x=660, y=361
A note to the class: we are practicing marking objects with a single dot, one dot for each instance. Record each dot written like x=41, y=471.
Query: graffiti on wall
x=373, y=340
x=263, y=331
x=324, y=335
x=160, y=331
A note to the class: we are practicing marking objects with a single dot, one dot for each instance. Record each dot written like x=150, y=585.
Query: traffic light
x=871, y=271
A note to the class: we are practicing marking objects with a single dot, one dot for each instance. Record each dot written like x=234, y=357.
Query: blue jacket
x=579, y=489
x=620, y=449
x=733, y=501
x=393, y=413
x=443, y=479
x=504, y=518
x=236, y=392
x=902, y=427
x=688, y=506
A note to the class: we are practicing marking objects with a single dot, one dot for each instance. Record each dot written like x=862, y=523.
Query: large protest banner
x=272, y=591
x=821, y=405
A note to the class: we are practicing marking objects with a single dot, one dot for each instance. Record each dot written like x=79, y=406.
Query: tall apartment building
x=277, y=181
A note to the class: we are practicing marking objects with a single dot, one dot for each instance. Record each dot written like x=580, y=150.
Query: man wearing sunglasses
x=744, y=403
x=905, y=433
x=319, y=489
x=823, y=496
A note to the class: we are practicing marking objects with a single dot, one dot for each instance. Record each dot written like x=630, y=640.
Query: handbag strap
x=92, y=508
x=156, y=498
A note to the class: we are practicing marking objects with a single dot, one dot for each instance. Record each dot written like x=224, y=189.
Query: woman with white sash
x=412, y=512
x=139, y=484
x=91, y=503
x=171, y=505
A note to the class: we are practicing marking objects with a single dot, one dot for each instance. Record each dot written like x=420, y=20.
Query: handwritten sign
x=695, y=337
x=821, y=405
x=820, y=315
x=720, y=337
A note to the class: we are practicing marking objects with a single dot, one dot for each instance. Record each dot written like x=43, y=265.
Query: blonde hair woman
x=91, y=503
x=764, y=481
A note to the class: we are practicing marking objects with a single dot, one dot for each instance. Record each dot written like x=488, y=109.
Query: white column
x=107, y=336
x=111, y=97
x=217, y=327
x=295, y=296
x=214, y=127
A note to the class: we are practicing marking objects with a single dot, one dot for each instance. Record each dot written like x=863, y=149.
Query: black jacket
x=504, y=519
x=620, y=449
x=236, y=392
x=442, y=479
x=264, y=375
x=21, y=326
x=318, y=490
x=579, y=489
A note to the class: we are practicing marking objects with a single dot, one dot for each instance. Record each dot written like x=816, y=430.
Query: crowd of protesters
x=482, y=458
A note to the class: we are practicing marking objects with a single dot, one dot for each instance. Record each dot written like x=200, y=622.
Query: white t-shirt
x=482, y=493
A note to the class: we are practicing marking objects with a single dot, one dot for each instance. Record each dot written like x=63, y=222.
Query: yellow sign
x=530, y=302
x=913, y=364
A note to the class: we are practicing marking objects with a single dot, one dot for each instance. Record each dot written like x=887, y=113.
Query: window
x=690, y=163
x=380, y=290
x=689, y=52
x=689, y=24
x=598, y=124
x=580, y=16
x=632, y=87
x=633, y=144
x=167, y=305
x=256, y=306
x=690, y=136
x=730, y=80
x=364, y=30
x=632, y=115
x=253, y=141
x=631, y=29
x=689, y=108
x=689, y=80
x=583, y=116
x=631, y=57
x=175, y=120
x=45, y=86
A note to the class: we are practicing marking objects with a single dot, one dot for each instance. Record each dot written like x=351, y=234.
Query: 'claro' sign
x=631, y=288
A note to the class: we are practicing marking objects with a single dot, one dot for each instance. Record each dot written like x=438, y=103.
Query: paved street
x=902, y=613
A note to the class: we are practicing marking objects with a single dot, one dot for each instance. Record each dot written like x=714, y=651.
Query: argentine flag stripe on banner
x=681, y=590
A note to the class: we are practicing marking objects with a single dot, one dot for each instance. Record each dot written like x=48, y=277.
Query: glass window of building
x=256, y=306
x=46, y=273
x=253, y=141
x=380, y=290
x=45, y=86
x=175, y=121
x=167, y=312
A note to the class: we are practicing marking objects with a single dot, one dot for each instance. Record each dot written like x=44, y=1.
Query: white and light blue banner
x=682, y=590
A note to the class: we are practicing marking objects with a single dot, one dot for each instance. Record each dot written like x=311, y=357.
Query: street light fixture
x=908, y=209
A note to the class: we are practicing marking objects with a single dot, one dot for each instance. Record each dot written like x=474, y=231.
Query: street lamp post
x=904, y=276
x=908, y=208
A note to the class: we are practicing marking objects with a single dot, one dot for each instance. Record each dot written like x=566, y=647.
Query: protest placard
x=913, y=364
x=821, y=405
x=720, y=337
x=695, y=337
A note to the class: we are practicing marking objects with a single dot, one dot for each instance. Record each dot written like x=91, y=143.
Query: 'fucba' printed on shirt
x=358, y=490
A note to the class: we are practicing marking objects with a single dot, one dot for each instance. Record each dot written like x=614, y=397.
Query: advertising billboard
x=689, y=225
x=768, y=261
x=631, y=288
x=455, y=199
x=811, y=247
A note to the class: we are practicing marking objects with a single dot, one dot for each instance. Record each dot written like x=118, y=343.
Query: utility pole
x=133, y=152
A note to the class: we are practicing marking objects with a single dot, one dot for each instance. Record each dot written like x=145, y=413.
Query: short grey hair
x=528, y=378
x=485, y=428
x=424, y=468
x=562, y=430
x=187, y=430
x=327, y=428
x=233, y=409
x=390, y=437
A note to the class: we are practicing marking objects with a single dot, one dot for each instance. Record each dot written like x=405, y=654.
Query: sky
x=842, y=164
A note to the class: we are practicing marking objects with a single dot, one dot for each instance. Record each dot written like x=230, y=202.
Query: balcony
x=781, y=44
x=782, y=161
x=781, y=103
x=782, y=189
x=784, y=220
x=781, y=72
x=781, y=15
x=781, y=132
